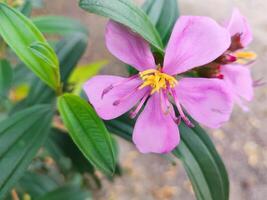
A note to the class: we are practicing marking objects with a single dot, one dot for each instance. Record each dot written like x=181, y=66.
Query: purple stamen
x=117, y=102
x=165, y=104
x=259, y=83
x=180, y=110
x=139, y=106
x=106, y=90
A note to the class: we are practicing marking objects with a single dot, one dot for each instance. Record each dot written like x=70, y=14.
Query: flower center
x=156, y=80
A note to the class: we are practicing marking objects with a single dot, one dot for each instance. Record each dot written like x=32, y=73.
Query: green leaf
x=26, y=8
x=59, y=25
x=46, y=53
x=22, y=75
x=82, y=73
x=67, y=148
x=67, y=193
x=198, y=154
x=203, y=164
x=163, y=15
x=69, y=51
x=37, y=3
x=125, y=12
x=87, y=131
x=21, y=136
x=6, y=77
x=20, y=34
x=36, y=185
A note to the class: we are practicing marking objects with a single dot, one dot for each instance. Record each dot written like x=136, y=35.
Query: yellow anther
x=245, y=56
x=156, y=80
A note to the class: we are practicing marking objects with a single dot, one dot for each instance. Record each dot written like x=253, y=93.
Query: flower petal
x=238, y=25
x=195, y=41
x=240, y=81
x=128, y=46
x=104, y=105
x=208, y=101
x=155, y=131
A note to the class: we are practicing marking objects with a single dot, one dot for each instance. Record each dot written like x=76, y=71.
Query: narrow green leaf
x=21, y=39
x=69, y=51
x=45, y=52
x=26, y=8
x=87, y=131
x=59, y=25
x=67, y=193
x=36, y=185
x=125, y=12
x=198, y=154
x=67, y=148
x=6, y=77
x=21, y=136
x=163, y=15
x=203, y=164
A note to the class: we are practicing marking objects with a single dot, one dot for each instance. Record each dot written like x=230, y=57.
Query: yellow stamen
x=156, y=80
x=245, y=56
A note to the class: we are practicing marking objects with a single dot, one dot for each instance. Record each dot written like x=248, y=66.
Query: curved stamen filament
x=167, y=108
x=139, y=106
x=117, y=102
x=164, y=103
x=180, y=110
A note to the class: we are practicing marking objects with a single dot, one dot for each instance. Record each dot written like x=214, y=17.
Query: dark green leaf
x=67, y=193
x=69, y=52
x=67, y=148
x=21, y=75
x=125, y=12
x=59, y=25
x=20, y=39
x=87, y=131
x=21, y=135
x=36, y=185
x=26, y=9
x=163, y=15
x=198, y=154
x=203, y=164
x=6, y=75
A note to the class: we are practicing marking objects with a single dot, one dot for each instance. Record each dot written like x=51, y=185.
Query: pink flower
x=237, y=75
x=194, y=41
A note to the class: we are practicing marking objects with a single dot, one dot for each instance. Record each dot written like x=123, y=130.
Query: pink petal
x=240, y=81
x=104, y=106
x=155, y=131
x=128, y=46
x=208, y=101
x=238, y=25
x=195, y=41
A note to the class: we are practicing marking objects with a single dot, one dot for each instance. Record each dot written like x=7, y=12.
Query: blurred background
x=242, y=142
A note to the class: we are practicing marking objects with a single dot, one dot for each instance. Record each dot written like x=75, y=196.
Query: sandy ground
x=242, y=142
